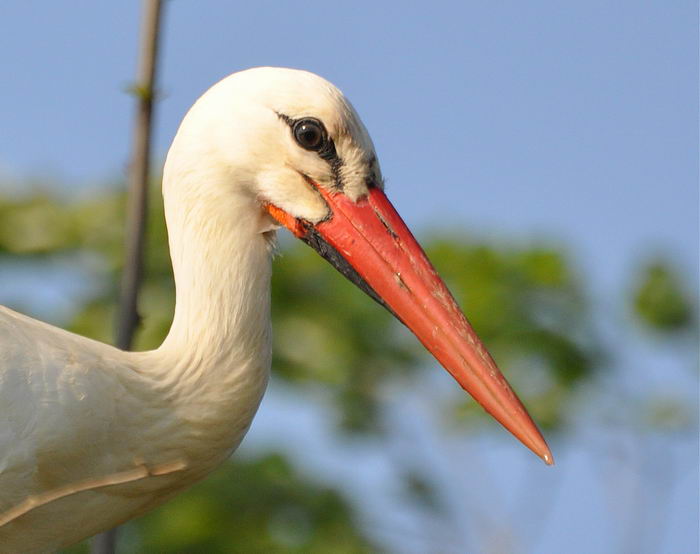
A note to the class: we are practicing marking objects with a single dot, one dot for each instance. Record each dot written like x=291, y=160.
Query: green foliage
x=248, y=507
x=660, y=299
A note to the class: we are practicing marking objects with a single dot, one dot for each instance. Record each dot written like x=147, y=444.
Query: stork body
x=99, y=436
x=91, y=436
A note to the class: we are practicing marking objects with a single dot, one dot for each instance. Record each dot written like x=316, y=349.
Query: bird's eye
x=310, y=134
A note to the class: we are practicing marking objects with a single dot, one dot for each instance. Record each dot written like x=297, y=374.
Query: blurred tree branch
x=137, y=201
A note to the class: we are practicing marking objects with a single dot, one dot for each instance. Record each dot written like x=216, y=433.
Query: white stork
x=92, y=436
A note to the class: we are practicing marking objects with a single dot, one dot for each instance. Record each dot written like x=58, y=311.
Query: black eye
x=310, y=134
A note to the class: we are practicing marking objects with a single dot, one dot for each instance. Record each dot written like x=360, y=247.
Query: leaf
x=660, y=299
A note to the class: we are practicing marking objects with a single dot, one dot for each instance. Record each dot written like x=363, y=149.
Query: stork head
x=292, y=144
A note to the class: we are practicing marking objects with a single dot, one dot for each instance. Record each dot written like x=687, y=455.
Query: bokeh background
x=546, y=153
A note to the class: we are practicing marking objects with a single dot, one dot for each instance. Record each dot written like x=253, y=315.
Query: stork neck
x=221, y=264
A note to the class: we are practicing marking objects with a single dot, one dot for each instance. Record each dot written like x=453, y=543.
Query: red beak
x=370, y=244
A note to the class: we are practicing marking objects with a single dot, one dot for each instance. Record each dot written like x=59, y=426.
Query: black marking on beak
x=331, y=255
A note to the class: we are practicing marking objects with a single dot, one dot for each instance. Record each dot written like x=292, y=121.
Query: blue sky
x=573, y=122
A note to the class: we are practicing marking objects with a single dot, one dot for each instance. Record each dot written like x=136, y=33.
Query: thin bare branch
x=137, y=206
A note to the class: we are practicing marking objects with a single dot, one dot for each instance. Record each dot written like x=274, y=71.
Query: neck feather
x=222, y=268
